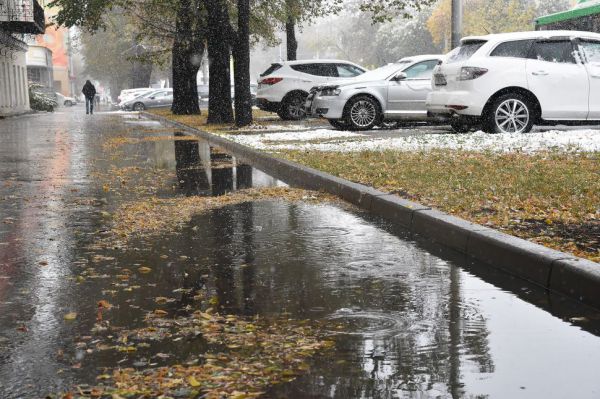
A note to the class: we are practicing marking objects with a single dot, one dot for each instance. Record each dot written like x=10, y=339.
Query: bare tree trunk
x=219, y=98
x=186, y=55
x=141, y=72
x=292, y=43
x=243, y=98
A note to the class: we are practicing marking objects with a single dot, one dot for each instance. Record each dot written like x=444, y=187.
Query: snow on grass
x=264, y=141
x=584, y=140
x=276, y=128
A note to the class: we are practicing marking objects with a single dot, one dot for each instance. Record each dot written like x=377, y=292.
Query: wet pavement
x=409, y=319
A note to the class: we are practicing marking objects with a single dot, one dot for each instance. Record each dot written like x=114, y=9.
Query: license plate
x=440, y=80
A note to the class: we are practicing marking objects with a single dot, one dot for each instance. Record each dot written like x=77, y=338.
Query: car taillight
x=270, y=81
x=470, y=73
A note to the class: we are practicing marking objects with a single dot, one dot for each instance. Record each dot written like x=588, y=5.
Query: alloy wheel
x=363, y=113
x=512, y=116
x=295, y=108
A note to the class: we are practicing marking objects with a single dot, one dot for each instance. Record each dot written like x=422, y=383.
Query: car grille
x=439, y=80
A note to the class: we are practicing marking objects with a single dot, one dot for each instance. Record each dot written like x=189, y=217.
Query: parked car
x=395, y=92
x=64, y=100
x=283, y=87
x=128, y=94
x=510, y=82
x=153, y=99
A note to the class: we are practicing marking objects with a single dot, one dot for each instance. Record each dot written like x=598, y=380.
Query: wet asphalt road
x=418, y=321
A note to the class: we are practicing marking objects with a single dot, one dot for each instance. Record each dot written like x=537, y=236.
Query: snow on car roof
x=532, y=35
x=423, y=57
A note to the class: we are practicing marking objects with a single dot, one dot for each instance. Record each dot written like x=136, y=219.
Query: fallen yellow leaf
x=71, y=316
x=193, y=381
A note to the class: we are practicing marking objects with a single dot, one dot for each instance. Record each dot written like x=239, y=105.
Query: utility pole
x=457, y=18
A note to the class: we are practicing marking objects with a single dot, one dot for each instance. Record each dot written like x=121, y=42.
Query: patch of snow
x=276, y=128
x=583, y=140
x=263, y=141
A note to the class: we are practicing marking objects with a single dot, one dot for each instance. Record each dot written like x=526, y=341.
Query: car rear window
x=465, y=51
x=318, y=69
x=271, y=69
x=516, y=49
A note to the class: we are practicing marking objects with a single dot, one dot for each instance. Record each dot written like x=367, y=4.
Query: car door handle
x=596, y=76
x=540, y=73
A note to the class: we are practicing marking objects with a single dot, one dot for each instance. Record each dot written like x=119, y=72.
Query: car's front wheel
x=292, y=107
x=68, y=103
x=362, y=113
x=139, y=107
x=510, y=113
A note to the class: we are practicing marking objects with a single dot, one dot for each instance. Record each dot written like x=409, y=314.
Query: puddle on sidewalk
x=409, y=319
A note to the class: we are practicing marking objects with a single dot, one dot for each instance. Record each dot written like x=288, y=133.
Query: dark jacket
x=89, y=91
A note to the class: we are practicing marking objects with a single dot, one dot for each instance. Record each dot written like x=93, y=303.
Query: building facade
x=39, y=66
x=58, y=41
x=17, y=19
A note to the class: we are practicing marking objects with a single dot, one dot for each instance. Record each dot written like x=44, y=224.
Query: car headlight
x=330, y=92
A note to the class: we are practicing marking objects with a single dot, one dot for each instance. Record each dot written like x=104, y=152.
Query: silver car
x=395, y=92
x=153, y=99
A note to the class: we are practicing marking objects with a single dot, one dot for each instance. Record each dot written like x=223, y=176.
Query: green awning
x=569, y=15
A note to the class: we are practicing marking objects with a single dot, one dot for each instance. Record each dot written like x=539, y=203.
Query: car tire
x=292, y=107
x=362, y=113
x=338, y=124
x=139, y=107
x=68, y=103
x=509, y=113
x=460, y=126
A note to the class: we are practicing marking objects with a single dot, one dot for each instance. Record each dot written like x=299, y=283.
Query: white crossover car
x=395, y=92
x=509, y=82
x=284, y=86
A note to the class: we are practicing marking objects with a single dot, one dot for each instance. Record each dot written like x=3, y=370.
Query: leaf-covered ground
x=245, y=356
x=154, y=215
x=550, y=198
x=263, y=122
x=240, y=356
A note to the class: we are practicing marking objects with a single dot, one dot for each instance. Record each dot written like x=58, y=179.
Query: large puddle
x=409, y=319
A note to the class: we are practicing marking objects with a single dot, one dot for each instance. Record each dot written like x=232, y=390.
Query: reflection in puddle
x=203, y=169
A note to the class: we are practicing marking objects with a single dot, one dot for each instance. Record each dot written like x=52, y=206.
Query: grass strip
x=549, y=198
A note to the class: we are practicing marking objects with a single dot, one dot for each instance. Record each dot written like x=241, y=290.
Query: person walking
x=89, y=91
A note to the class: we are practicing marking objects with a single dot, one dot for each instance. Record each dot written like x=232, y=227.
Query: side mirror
x=152, y=98
x=400, y=77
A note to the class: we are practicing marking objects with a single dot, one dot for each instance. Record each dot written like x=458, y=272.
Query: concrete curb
x=545, y=267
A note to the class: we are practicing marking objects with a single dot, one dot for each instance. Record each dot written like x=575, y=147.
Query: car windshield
x=384, y=72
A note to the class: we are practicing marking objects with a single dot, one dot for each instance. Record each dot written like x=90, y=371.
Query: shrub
x=40, y=99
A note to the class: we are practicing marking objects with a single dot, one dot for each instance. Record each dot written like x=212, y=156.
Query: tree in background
x=104, y=51
x=410, y=37
x=490, y=16
x=353, y=35
x=388, y=10
x=295, y=13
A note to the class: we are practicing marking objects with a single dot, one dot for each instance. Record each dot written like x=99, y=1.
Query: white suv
x=284, y=86
x=509, y=82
